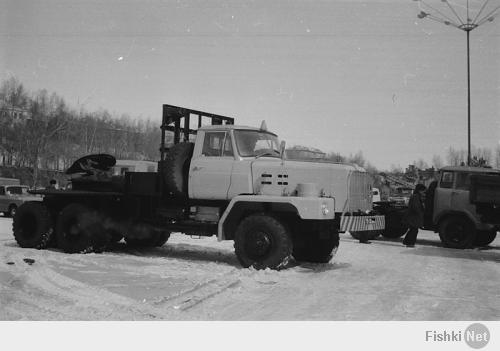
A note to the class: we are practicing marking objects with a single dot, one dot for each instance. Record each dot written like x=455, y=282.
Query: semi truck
x=213, y=179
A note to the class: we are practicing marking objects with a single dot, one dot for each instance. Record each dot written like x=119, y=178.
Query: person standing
x=415, y=215
x=52, y=185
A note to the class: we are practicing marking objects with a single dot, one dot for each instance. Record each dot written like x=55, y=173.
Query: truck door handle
x=196, y=168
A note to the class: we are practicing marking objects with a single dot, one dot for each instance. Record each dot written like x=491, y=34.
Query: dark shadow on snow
x=467, y=254
x=186, y=252
x=308, y=267
x=420, y=242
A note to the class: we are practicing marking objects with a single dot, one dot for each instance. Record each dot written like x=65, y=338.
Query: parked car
x=13, y=196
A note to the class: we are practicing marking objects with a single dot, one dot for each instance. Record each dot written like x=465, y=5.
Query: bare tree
x=483, y=154
x=357, y=158
x=13, y=94
x=480, y=156
x=421, y=164
x=437, y=162
x=396, y=169
x=13, y=109
x=48, y=119
x=456, y=157
x=335, y=157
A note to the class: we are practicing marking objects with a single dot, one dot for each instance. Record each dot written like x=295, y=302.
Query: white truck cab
x=231, y=160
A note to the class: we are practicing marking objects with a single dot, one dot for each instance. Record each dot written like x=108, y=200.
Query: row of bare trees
x=40, y=131
x=456, y=157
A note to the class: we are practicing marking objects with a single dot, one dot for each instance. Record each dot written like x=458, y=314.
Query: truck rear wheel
x=457, y=232
x=114, y=236
x=319, y=246
x=485, y=237
x=262, y=241
x=176, y=169
x=32, y=225
x=80, y=230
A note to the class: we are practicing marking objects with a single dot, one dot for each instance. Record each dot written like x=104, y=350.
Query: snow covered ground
x=200, y=279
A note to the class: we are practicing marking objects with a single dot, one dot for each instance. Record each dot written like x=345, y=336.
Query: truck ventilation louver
x=269, y=182
x=283, y=176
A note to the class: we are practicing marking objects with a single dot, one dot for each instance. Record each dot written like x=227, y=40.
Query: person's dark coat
x=415, y=214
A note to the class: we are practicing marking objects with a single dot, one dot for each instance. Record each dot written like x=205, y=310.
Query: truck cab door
x=211, y=167
x=460, y=195
x=444, y=193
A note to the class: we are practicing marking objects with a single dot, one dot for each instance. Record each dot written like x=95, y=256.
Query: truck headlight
x=324, y=209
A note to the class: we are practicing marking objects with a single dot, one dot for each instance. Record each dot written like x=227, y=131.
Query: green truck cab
x=464, y=206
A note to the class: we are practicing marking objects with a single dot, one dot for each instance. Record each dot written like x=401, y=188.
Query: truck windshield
x=254, y=143
x=17, y=190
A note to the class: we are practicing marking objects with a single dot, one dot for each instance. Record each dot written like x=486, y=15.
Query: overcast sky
x=340, y=76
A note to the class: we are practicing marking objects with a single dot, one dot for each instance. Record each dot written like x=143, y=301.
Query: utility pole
x=450, y=17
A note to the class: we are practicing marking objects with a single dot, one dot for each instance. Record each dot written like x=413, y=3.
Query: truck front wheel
x=457, y=232
x=79, y=230
x=262, y=241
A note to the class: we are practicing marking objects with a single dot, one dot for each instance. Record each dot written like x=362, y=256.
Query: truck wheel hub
x=457, y=233
x=258, y=244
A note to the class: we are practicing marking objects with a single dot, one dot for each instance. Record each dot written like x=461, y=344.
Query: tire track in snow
x=185, y=300
x=46, y=294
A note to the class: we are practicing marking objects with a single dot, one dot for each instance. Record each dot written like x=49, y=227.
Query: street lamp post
x=449, y=18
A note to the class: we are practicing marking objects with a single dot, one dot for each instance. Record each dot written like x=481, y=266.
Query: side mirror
x=282, y=150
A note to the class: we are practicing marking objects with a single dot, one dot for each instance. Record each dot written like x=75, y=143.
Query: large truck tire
x=32, y=225
x=318, y=247
x=114, y=236
x=457, y=232
x=485, y=237
x=262, y=241
x=395, y=226
x=79, y=230
x=158, y=238
x=176, y=169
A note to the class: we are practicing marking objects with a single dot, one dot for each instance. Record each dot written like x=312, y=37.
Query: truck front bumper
x=361, y=223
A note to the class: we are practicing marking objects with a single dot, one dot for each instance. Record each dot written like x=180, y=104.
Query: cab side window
x=463, y=181
x=217, y=144
x=446, y=180
x=2, y=190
